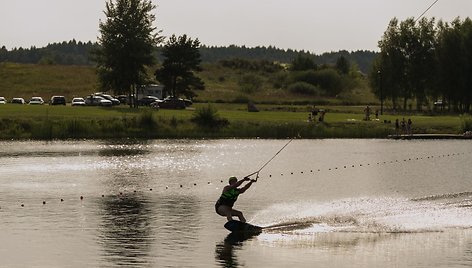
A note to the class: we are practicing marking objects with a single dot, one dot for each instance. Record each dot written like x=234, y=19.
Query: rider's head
x=232, y=180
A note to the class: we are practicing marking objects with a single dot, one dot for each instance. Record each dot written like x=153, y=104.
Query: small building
x=151, y=90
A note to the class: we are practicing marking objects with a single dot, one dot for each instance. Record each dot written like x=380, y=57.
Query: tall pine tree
x=181, y=61
x=127, y=42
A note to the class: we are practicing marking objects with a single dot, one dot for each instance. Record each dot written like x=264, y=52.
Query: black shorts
x=218, y=204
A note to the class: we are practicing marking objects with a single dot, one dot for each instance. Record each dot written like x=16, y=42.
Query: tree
x=181, y=60
x=126, y=45
x=303, y=62
x=343, y=65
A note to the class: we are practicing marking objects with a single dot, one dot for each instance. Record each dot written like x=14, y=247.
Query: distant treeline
x=79, y=53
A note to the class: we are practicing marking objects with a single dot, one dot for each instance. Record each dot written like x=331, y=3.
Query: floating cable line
x=420, y=16
x=183, y=187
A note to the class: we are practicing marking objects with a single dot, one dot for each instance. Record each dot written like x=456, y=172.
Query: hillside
x=27, y=80
x=222, y=85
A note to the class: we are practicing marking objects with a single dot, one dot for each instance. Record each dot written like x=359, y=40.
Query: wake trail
x=370, y=215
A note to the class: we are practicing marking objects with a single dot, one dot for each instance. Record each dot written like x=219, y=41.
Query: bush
x=466, y=124
x=146, y=120
x=329, y=80
x=304, y=88
x=208, y=117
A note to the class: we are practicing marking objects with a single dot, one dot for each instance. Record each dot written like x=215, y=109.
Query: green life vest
x=229, y=197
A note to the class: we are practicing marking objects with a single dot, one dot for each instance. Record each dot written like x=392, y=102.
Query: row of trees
x=78, y=53
x=424, y=61
x=64, y=53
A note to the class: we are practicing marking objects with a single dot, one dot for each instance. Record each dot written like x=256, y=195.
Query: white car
x=78, y=102
x=18, y=100
x=93, y=100
x=3, y=100
x=36, y=101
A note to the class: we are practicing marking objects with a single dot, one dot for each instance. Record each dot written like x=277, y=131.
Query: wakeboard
x=235, y=226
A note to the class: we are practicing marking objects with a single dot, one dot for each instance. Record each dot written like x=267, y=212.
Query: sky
x=316, y=26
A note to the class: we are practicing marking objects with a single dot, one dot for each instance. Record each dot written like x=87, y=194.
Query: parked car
x=57, y=100
x=114, y=101
x=36, y=101
x=92, y=100
x=174, y=103
x=124, y=99
x=18, y=101
x=146, y=101
x=3, y=100
x=78, y=102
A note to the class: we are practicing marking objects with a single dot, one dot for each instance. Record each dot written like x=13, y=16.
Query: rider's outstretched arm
x=242, y=190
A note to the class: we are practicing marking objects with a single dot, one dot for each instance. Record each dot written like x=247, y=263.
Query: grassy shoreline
x=52, y=122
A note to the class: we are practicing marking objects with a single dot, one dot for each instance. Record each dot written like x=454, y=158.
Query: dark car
x=124, y=99
x=146, y=101
x=57, y=100
x=174, y=103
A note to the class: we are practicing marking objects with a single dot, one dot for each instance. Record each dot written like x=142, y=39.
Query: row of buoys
x=379, y=163
x=293, y=173
x=62, y=200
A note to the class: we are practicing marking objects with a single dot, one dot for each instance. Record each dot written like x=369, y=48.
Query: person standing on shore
x=408, y=127
x=397, y=127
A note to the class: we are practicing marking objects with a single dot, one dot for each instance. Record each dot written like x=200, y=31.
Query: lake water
x=342, y=203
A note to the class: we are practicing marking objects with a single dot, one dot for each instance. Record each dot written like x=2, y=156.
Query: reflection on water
x=126, y=231
x=225, y=251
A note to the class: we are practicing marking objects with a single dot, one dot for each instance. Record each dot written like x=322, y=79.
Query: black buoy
x=62, y=200
x=22, y=205
x=44, y=202
x=81, y=198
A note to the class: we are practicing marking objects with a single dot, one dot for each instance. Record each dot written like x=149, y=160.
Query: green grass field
x=272, y=121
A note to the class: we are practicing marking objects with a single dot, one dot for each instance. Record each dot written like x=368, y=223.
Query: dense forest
x=79, y=53
x=424, y=62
